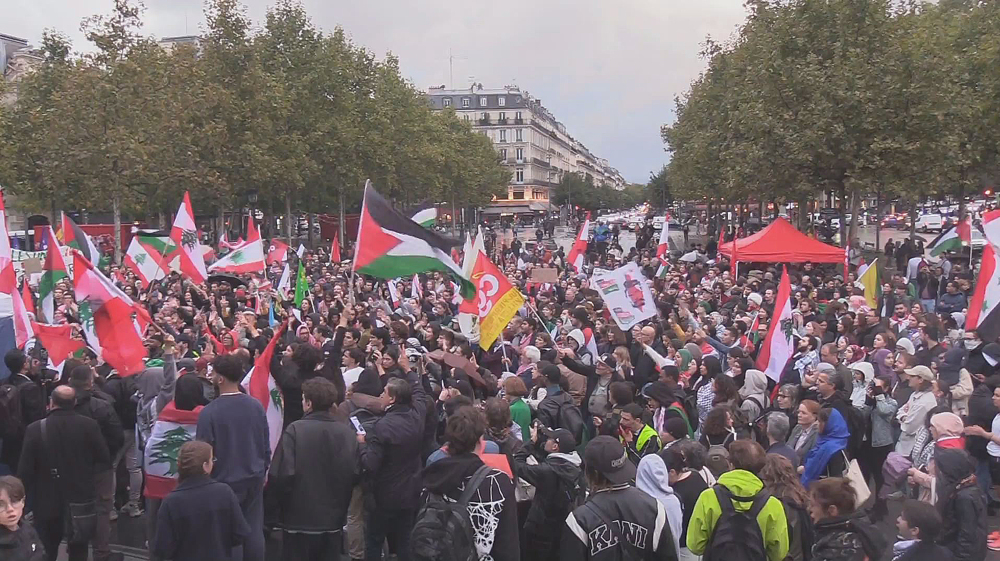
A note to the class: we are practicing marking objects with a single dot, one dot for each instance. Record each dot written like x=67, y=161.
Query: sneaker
x=993, y=544
x=995, y=535
x=133, y=510
x=113, y=515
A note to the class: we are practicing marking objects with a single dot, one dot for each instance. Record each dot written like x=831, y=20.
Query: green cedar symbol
x=189, y=238
x=276, y=399
x=140, y=259
x=786, y=328
x=986, y=305
x=166, y=450
x=237, y=256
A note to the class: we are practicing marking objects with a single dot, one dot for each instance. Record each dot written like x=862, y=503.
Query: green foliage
x=284, y=114
x=580, y=191
x=893, y=96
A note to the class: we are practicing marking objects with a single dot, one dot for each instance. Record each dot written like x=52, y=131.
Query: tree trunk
x=288, y=217
x=309, y=217
x=116, y=209
x=161, y=220
x=852, y=233
x=878, y=220
x=454, y=216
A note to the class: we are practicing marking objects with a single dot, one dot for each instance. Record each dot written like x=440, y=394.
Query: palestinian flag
x=426, y=217
x=260, y=385
x=777, y=348
x=984, y=312
x=106, y=313
x=184, y=234
x=247, y=258
x=54, y=271
x=952, y=239
x=578, y=253
x=390, y=245
x=301, y=284
x=73, y=236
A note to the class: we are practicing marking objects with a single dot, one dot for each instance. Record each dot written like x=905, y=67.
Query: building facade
x=529, y=141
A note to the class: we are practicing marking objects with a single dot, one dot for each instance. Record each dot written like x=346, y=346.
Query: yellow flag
x=869, y=280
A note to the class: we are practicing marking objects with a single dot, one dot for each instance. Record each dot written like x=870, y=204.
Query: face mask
x=971, y=344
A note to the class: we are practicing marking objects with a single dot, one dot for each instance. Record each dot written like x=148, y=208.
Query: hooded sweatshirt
x=741, y=483
x=859, y=392
x=755, y=387
x=492, y=509
x=651, y=477
x=831, y=441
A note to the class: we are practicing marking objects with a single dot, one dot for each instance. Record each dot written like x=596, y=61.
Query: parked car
x=928, y=222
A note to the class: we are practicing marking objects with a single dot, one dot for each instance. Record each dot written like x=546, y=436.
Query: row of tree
x=286, y=119
x=580, y=193
x=897, y=99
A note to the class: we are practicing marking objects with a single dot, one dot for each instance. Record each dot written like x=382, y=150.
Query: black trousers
x=311, y=547
x=50, y=532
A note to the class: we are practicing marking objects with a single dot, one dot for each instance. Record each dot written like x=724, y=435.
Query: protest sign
x=626, y=294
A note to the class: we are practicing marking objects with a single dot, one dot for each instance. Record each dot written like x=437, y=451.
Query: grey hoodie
x=651, y=477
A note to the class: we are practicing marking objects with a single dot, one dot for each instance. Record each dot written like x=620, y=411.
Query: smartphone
x=357, y=425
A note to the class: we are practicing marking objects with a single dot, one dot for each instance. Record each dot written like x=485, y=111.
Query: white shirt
x=351, y=376
x=992, y=447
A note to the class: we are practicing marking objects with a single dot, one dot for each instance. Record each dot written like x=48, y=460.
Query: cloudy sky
x=609, y=70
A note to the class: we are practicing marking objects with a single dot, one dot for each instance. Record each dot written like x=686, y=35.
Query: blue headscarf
x=831, y=441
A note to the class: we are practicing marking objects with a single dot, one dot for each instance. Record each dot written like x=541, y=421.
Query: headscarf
x=651, y=477
x=685, y=355
x=949, y=426
x=857, y=353
x=831, y=441
x=694, y=350
x=881, y=370
x=950, y=365
x=755, y=385
x=859, y=393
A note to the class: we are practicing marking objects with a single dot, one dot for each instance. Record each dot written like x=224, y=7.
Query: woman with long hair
x=718, y=428
x=842, y=533
x=781, y=480
x=704, y=388
x=725, y=391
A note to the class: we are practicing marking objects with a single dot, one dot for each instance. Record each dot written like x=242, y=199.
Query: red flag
x=335, y=248
x=29, y=300
x=184, y=234
x=277, y=252
x=22, y=321
x=497, y=300
x=722, y=234
x=579, y=250
x=112, y=309
x=58, y=341
x=8, y=280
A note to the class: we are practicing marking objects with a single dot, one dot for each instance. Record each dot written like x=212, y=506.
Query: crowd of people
x=568, y=438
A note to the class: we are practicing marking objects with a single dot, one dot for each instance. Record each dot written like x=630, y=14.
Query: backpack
x=443, y=529
x=570, y=418
x=857, y=423
x=679, y=408
x=717, y=460
x=11, y=418
x=737, y=535
x=691, y=409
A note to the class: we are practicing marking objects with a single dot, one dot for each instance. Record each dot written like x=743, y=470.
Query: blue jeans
x=928, y=304
x=983, y=477
x=392, y=525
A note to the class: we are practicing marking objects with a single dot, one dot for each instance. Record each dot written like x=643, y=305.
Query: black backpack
x=11, y=418
x=443, y=531
x=737, y=535
x=569, y=417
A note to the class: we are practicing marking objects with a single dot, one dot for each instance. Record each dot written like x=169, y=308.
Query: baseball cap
x=563, y=438
x=606, y=455
x=920, y=371
x=676, y=427
x=609, y=360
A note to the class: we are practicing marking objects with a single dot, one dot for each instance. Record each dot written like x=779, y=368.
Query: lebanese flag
x=664, y=246
x=23, y=331
x=248, y=258
x=58, y=341
x=260, y=385
x=277, y=252
x=984, y=315
x=579, y=251
x=111, y=309
x=8, y=280
x=777, y=348
x=185, y=235
x=335, y=248
x=173, y=428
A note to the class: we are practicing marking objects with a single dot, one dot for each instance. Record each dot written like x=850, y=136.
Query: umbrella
x=691, y=257
x=233, y=280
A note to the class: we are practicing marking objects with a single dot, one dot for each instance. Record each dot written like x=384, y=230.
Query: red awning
x=780, y=242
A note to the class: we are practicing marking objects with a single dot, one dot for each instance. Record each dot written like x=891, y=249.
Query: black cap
x=606, y=455
x=552, y=373
x=563, y=438
x=676, y=427
x=609, y=360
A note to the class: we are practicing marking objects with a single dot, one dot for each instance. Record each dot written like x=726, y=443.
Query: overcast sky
x=609, y=70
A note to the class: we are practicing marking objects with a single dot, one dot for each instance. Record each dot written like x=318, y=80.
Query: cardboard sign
x=544, y=274
x=32, y=265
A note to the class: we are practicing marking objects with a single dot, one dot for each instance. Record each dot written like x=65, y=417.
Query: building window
x=466, y=116
x=518, y=116
x=503, y=116
x=520, y=154
x=518, y=195
x=503, y=135
x=485, y=116
x=446, y=102
x=538, y=194
x=502, y=101
x=465, y=102
x=520, y=136
x=503, y=154
x=519, y=175
x=482, y=101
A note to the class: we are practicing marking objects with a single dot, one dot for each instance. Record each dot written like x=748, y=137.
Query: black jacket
x=981, y=412
x=393, y=451
x=926, y=551
x=200, y=520
x=849, y=538
x=313, y=473
x=590, y=531
x=22, y=545
x=99, y=407
x=121, y=391
x=644, y=370
x=82, y=453
x=592, y=379
x=32, y=401
x=965, y=524
x=548, y=409
x=495, y=526
x=552, y=477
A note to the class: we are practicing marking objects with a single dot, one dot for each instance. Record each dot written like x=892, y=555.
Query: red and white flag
x=664, y=246
x=260, y=385
x=577, y=255
x=277, y=252
x=248, y=258
x=335, y=248
x=416, y=289
x=58, y=341
x=184, y=234
x=111, y=317
x=8, y=280
x=777, y=348
x=984, y=309
x=23, y=331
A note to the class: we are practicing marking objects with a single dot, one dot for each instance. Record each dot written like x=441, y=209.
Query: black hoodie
x=492, y=507
x=848, y=538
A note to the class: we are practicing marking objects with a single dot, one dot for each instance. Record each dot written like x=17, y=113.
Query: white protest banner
x=626, y=293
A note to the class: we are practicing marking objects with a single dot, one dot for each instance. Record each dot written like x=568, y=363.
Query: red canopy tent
x=780, y=242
